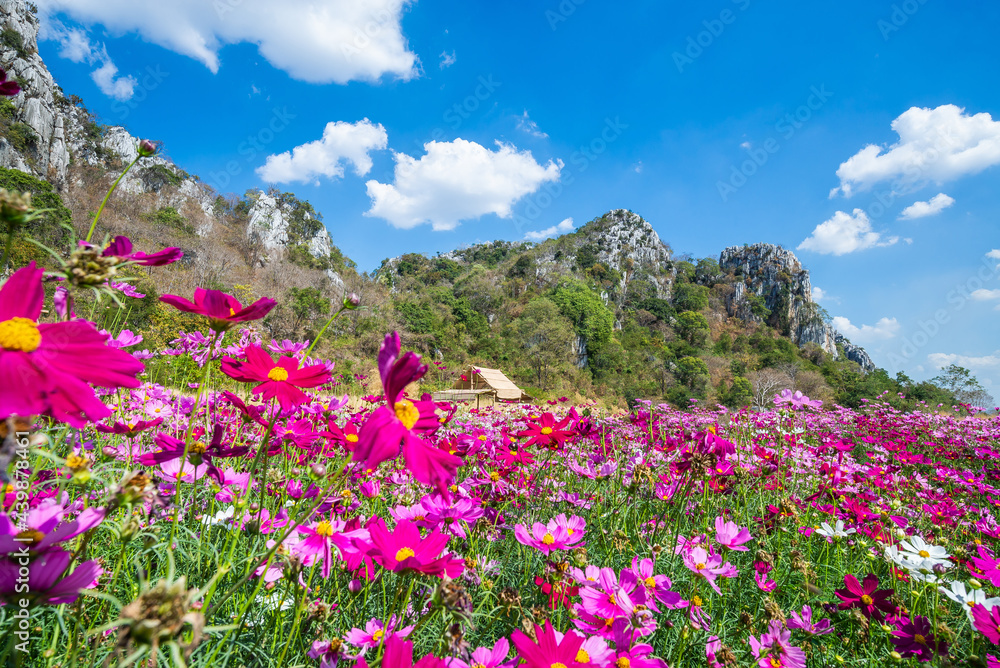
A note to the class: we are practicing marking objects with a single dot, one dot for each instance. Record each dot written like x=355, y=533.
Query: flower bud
x=317, y=471
x=896, y=656
x=352, y=301
x=14, y=207
x=147, y=149
x=975, y=584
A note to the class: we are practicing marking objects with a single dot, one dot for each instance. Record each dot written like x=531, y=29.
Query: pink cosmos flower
x=399, y=654
x=48, y=583
x=986, y=566
x=542, y=538
x=731, y=536
x=774, y=649
x=198, y=452
x=548, y=649
x=45, y=527
x=628, y=654
x=121, y=247
x=708, y=565
x=45, y=368
x=222, y=310
x=657, y=586
x=404, y=550
x=484, y=657
x=804, y=622
x=375, y=632
x=987, y=621
x=402, y=421
x=797, y=400
x=764, y=583
x=281, y=380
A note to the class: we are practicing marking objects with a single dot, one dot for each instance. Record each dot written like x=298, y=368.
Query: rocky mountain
x=772, y=286
x=53, y=137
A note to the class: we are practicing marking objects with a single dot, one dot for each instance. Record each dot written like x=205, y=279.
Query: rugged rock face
x=66, y=134
x=855, y=353
x=771, y=285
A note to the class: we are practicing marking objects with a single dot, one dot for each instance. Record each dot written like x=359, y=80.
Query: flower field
x=252, y=519
x=230, y=509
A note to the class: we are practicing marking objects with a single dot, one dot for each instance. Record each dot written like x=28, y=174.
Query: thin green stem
x=93, y=225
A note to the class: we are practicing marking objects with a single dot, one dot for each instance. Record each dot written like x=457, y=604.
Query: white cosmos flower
x=220, y=517
x=919, y=568
x=916, y=549
x=968, y=599
x=837, y=531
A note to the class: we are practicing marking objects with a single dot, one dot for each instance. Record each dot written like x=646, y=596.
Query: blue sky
x=721, y=123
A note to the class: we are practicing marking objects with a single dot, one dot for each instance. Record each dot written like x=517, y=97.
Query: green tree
x=960, y=382
x=590, y=317
x=306, y=304
x=546, y=338
x=739, y=393
x=692, y=327
x=690, y=297
x=691, y=372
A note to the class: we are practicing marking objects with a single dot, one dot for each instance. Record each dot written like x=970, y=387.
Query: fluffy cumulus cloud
x=341, y=143
x=321, y=42
x=984, y=295
x=456, y=181
x=818, y=294
x=932, y=207
x=941, y=360
x=75, y=45
x=845, y=233
x=935, y=145
x=565, y=227
x=883, y=330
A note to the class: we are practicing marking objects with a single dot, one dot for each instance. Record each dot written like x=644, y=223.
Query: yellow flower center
x=404, y=554
x=548, y=538
x=558, y=665
x=700, y=566
x=612, y=600
x=76, y=462
x=775, y=663
x=697, y=600
x=197, y=448
x=546, y=430
x=232, y=311
x=650, y=582
x=623, y=662
x=495, y=476
x=866, y=599
x=407, y=413
x=324, y=528
x=20, y=334
x=569, y=532
x=924, y=553
x=351, y=438
x=29, y=537
x=582, y=656
x=920, y=639
x=278, y=374
x=377, y=636
x=609, y=622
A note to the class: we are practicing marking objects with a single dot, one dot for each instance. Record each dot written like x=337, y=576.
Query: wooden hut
x=484, y=386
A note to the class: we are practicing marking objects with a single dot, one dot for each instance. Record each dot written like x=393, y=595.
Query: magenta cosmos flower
x=222, y=310
x=866, y=596
x=542, y=538
x=280, y=380
x=45, y=528
x=549, y=650
x=401, y=422
x=404, y=550
x=197, y=453
x=121, y=247
x=915, y=637
x=45, y=368
x=48, y=583
x=399, y=654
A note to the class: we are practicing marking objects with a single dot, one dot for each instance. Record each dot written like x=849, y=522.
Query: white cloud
x=819, y=294
x=935, y=145
x=941, y=360
x=845, y=233
x=74, y=45
x=934, y=206
x=341, y=142
x=456, y=181
x=320, y=42
x=107, y=79
x=995, y=254
x=985, y=295
x=884, y=329
x=564, y=227
x=637, y=167
x=525, y=124
x=447, y=59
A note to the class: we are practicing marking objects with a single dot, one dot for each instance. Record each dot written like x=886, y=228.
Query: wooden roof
x=482, y=378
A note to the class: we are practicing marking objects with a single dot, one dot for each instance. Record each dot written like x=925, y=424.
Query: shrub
x=22, y=137
x=168, y=216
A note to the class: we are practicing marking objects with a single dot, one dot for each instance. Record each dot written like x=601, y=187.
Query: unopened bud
x=317, y=470
x=352, y=301
x=975, y=584
x=147, y=149
x=896, y=656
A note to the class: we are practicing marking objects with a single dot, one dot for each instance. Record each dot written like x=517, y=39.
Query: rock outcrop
x=856, y=354
x=61, y=134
